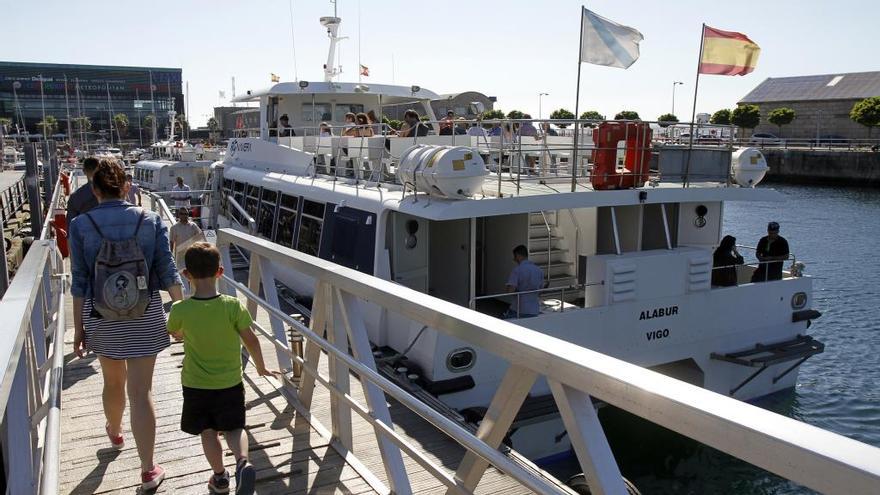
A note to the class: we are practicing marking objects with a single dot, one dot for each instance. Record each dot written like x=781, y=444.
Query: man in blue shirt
x=525, y=277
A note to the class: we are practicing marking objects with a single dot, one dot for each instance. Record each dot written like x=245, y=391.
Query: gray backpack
x=120, y=288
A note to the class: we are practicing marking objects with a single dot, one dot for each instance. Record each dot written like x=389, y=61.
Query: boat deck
x=290, y=455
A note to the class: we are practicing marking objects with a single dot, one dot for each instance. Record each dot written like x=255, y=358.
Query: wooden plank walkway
x=289, y=454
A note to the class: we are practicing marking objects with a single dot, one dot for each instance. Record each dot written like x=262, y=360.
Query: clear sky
x=511, y=49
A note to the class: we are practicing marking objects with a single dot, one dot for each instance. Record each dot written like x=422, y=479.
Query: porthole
x=799, y=300
x=462, y=359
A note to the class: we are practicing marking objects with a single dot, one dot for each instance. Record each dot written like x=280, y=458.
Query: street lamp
x=674, y=84
x=539, y=103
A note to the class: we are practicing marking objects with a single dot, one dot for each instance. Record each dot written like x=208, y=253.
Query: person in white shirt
x=476, y=130
x=180, y=194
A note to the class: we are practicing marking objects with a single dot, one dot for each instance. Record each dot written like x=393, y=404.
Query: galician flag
x=605, y=42
x=727, y=53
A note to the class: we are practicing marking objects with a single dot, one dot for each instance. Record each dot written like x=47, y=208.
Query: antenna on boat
x=332, y=25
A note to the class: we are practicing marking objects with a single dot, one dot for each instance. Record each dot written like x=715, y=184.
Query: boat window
x=227, y=190
x=253, y=200
x=266, y=220
x=238, y=194
x=286, y=221
x=349, y=238
x=312, y=221
x=320, y=113
x=343, y=108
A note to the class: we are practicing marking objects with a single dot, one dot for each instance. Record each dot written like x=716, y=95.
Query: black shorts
x=220, y=410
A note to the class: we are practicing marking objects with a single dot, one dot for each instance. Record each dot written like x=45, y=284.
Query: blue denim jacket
x=117, y=221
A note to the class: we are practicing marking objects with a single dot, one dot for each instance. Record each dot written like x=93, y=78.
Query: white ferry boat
x=626, y=254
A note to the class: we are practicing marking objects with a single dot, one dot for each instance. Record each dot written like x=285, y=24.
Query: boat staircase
x=548, y=249
x=332, y=422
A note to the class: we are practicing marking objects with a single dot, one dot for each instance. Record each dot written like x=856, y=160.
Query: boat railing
x=557, y=304
x=241, y=216
x=12, y=199
x=807, y=455
x=553, y=153
x=32, y=363
x=795, y=267
x=160, y=206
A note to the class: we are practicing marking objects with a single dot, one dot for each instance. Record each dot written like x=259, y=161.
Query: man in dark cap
x=771, y=252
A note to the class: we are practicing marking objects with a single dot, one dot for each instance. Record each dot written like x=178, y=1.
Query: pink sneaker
x=150, y=480
x=117, y=442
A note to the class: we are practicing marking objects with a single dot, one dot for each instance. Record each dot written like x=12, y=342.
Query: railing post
x=270, y=293
x=505, y=405
x=588, y=440
x=340, y=377
x=32, y=181
x=351, y=318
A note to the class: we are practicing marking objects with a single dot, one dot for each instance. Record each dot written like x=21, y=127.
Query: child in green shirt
x=212, y=327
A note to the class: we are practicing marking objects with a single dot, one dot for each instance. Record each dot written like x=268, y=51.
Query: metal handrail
x=251, y=223
x=807, y=455
x=549, y=244
x=157, y=202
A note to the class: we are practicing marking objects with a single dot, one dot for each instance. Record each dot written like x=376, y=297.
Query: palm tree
x=120, y=121
x=49, y=125
x=5, y=123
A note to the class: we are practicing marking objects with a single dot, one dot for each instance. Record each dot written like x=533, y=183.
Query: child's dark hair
x=109, y=178
x=202, y=260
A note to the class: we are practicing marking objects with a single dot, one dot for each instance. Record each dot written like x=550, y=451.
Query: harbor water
x=835, y=232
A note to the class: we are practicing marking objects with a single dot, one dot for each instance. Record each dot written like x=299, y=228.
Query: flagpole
x=577, y=101
x=694, y=110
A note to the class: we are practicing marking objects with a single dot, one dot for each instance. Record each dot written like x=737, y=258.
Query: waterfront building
x=822, y=103
x=467, y=104
x=231, y=118
x=93, y=91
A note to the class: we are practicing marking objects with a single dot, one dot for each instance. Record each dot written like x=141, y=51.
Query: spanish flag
x=727, y=53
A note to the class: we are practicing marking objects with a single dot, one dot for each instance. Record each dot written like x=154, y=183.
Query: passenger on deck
x=132, y=191
x=325, y=130
x=83, y=199
x=350, y=130
x=446, y=123
x=724, y=262
x=772, y=250
x=374, y=122
x=181, y=194
x=527, y=128
x=495, y=130
x=461, y=127
x=284, y=129
x=526, y=276
x=476, y=130
x=126, y=349
x=364, y=128
x=213, y=327
x=412, y=126
x=547, y=130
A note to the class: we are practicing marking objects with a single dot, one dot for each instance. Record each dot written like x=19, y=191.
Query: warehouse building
x=822, y=103
x=97, y=92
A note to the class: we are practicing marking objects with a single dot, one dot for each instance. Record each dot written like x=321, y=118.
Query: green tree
x=721, y=117
x=667, y=119
x=493, y=115
x=627, y=115
x=562, y=114
x=149, y=120
x=83, y=124
x=867, y=113
x=48, y=126
x=515, y=114
x=395, y=124
x=592, y=115
x=780, y=117
x=120, y=122
x=5, y=123
x=746, y=116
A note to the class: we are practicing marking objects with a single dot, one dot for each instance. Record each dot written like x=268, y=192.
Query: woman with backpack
x=120, y=259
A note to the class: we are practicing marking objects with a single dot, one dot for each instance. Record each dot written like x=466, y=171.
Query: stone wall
x=858, y=168
x=815, y=118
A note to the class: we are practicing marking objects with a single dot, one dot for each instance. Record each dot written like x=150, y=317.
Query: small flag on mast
x=365, y=71
x=275, y=77
x=221, y=94
x=605, y=42
x=727, y=53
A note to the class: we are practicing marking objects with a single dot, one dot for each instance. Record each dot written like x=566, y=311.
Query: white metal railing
x=805, y=454
x=248, y=221
x=32, y=366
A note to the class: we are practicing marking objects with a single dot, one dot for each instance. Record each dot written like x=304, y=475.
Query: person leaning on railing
x=724, y=262
x=772, y=250
x=126, y=349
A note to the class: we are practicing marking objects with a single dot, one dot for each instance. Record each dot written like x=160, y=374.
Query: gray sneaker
x=245, y=478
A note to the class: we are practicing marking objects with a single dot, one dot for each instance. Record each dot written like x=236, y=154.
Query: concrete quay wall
x=856, y=168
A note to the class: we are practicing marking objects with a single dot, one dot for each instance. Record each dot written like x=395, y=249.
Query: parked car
x=766, y=139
